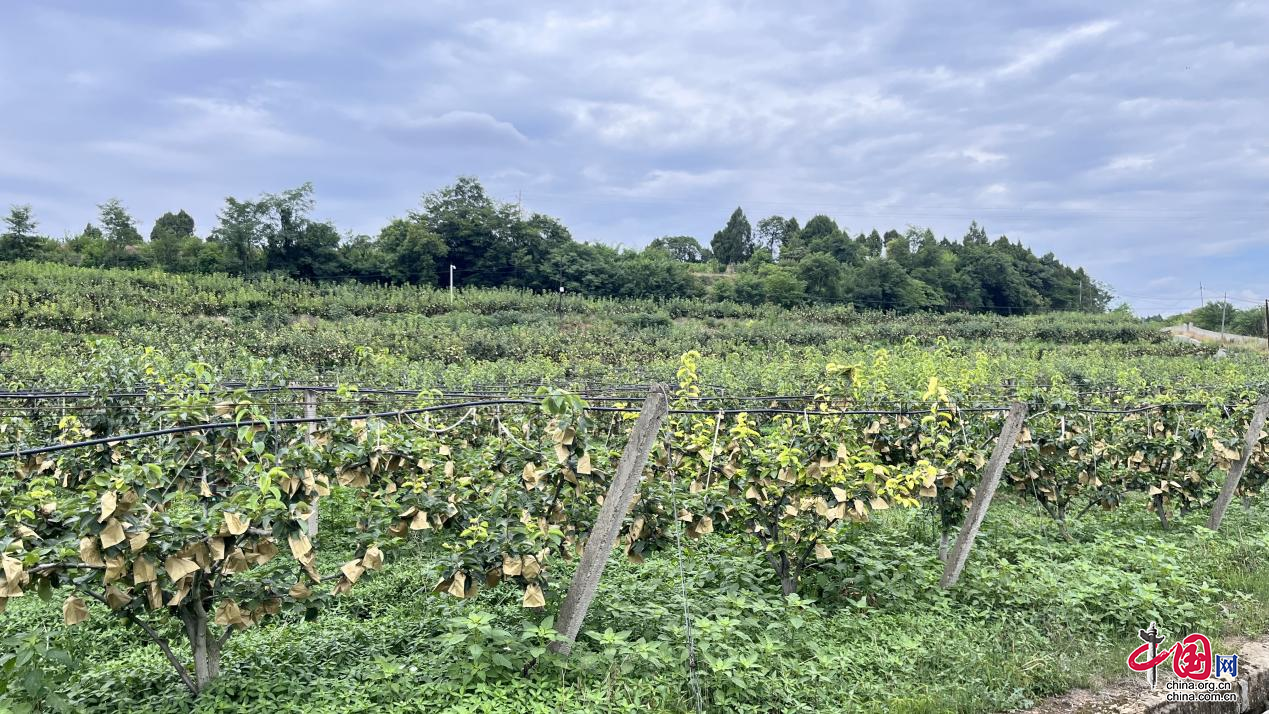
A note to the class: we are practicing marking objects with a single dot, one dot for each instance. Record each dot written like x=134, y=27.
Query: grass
x=1033, y=617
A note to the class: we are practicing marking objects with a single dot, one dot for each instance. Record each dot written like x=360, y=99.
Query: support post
x=1236, y=470
x=310, y=412
x=982, y=498
x=603, y=535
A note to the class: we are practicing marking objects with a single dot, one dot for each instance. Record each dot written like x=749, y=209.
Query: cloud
x=452, y=127
x=1046, y=50
x=1125, y=137
x=1129, y=163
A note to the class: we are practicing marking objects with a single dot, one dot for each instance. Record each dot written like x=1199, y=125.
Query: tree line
x=490, y=243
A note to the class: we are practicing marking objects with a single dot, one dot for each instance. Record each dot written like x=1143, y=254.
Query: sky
x=1131, y=137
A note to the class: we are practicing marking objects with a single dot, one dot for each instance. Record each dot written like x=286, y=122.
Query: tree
x=822, y=275
x=90, y=245
x=411, y=252
x=774, y=231
x=178, y=531
x=119, y=227
x=19, y=240
x=173, y=246
x=294, y=243
x=782, y=287
x=653, y=274
x=883, y=284
x=682, y=248
x=239, y=231
x=975, y=235
x=180, y=224
x=871, y=244
x=475, y=229
x=121, y=234
x=734, y=243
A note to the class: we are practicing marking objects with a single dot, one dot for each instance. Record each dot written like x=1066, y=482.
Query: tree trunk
x=203, y=645
x=788, y=577
x=1061, y=522
x=1160, y=510
x=945, y=541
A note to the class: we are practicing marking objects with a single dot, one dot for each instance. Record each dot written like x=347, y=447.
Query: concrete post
x=982, y=498
x=1236, y=470
x=310, y=412
x=603, y=535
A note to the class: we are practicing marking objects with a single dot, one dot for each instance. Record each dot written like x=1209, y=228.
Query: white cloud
x=1129, y=162
x=1051, y=48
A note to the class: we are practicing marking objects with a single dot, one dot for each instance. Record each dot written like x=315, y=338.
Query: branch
x=63, y=566
x=155, y=637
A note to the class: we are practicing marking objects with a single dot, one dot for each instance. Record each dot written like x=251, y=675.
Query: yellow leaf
x=533, y=596
x=74, y=611
x=236, y=524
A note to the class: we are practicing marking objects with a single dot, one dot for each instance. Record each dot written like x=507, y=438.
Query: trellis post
x=1236, y=470
x=603, y=535
x=309, y=398
x=982, y=497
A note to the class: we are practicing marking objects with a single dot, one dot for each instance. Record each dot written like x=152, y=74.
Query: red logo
x=1191, y=657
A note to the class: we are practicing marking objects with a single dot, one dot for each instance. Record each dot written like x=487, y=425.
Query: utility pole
x=1201, y=303
x=1267, y=324
x=451, y=284
x=1081, y=295
x=519, y=206
x=1224, y=302
x=559, y=305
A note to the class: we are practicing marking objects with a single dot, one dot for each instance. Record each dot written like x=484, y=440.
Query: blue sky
x=1130, y=137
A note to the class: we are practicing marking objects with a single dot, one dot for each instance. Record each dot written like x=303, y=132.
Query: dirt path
x=1131, y=694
